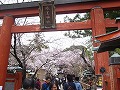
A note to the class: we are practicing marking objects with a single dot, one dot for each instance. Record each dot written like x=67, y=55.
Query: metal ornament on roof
x=47, y=14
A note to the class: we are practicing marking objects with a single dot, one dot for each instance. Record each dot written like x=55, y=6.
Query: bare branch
x=15, y=53
x=40, y=67
x=1, y=2
x=12, y=54
x=25, y=20
x=83, y=56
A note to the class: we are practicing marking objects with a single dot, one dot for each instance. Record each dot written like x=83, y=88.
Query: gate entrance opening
x=97, y=24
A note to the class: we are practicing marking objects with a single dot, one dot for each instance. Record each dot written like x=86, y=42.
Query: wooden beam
x=61, y=8
x=59, y=27
x=86, y=25
x=11, y=80
x=110, y=23
x=10, y=75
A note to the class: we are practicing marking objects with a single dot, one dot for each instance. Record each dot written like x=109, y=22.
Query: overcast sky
x=62, y=41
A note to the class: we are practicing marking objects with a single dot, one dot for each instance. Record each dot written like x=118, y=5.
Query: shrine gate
x=97, y=24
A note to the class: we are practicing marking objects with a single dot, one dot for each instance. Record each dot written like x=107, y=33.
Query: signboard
x=47, y=14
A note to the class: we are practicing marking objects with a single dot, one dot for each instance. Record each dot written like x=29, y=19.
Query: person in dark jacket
x=69, y=85
x=46, y=84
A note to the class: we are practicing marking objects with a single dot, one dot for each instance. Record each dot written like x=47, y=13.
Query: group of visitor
x=72, y=83
x=54, y=84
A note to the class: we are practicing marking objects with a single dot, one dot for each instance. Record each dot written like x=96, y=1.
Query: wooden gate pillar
x=115, y=77
x=101, y=59
x=18, y=80
x=5, y=43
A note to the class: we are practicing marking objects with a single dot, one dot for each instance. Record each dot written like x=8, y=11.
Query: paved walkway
x=98, y=88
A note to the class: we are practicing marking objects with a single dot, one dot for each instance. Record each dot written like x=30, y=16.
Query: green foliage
x=73, y=47
x=78, y=33
x=117, y=50
x=88, y=52
x=112, y=14
x=39, y=42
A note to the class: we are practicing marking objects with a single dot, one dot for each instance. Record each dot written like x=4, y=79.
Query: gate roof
x=109, y=41
x=35, y=4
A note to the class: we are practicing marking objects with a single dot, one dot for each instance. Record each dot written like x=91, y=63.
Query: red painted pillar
x=101, y=59
x=115, y=77
x=18, y=80
x=5, y=43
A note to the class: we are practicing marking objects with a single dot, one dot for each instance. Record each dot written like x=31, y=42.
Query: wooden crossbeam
x=85, y=25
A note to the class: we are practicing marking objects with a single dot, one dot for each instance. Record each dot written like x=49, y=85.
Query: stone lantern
x=114, y=59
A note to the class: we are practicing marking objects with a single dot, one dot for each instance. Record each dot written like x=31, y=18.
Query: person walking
x=46, y=84
x=54, y=86
x=77, y=84
x=69, y=85
x=38, y=84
